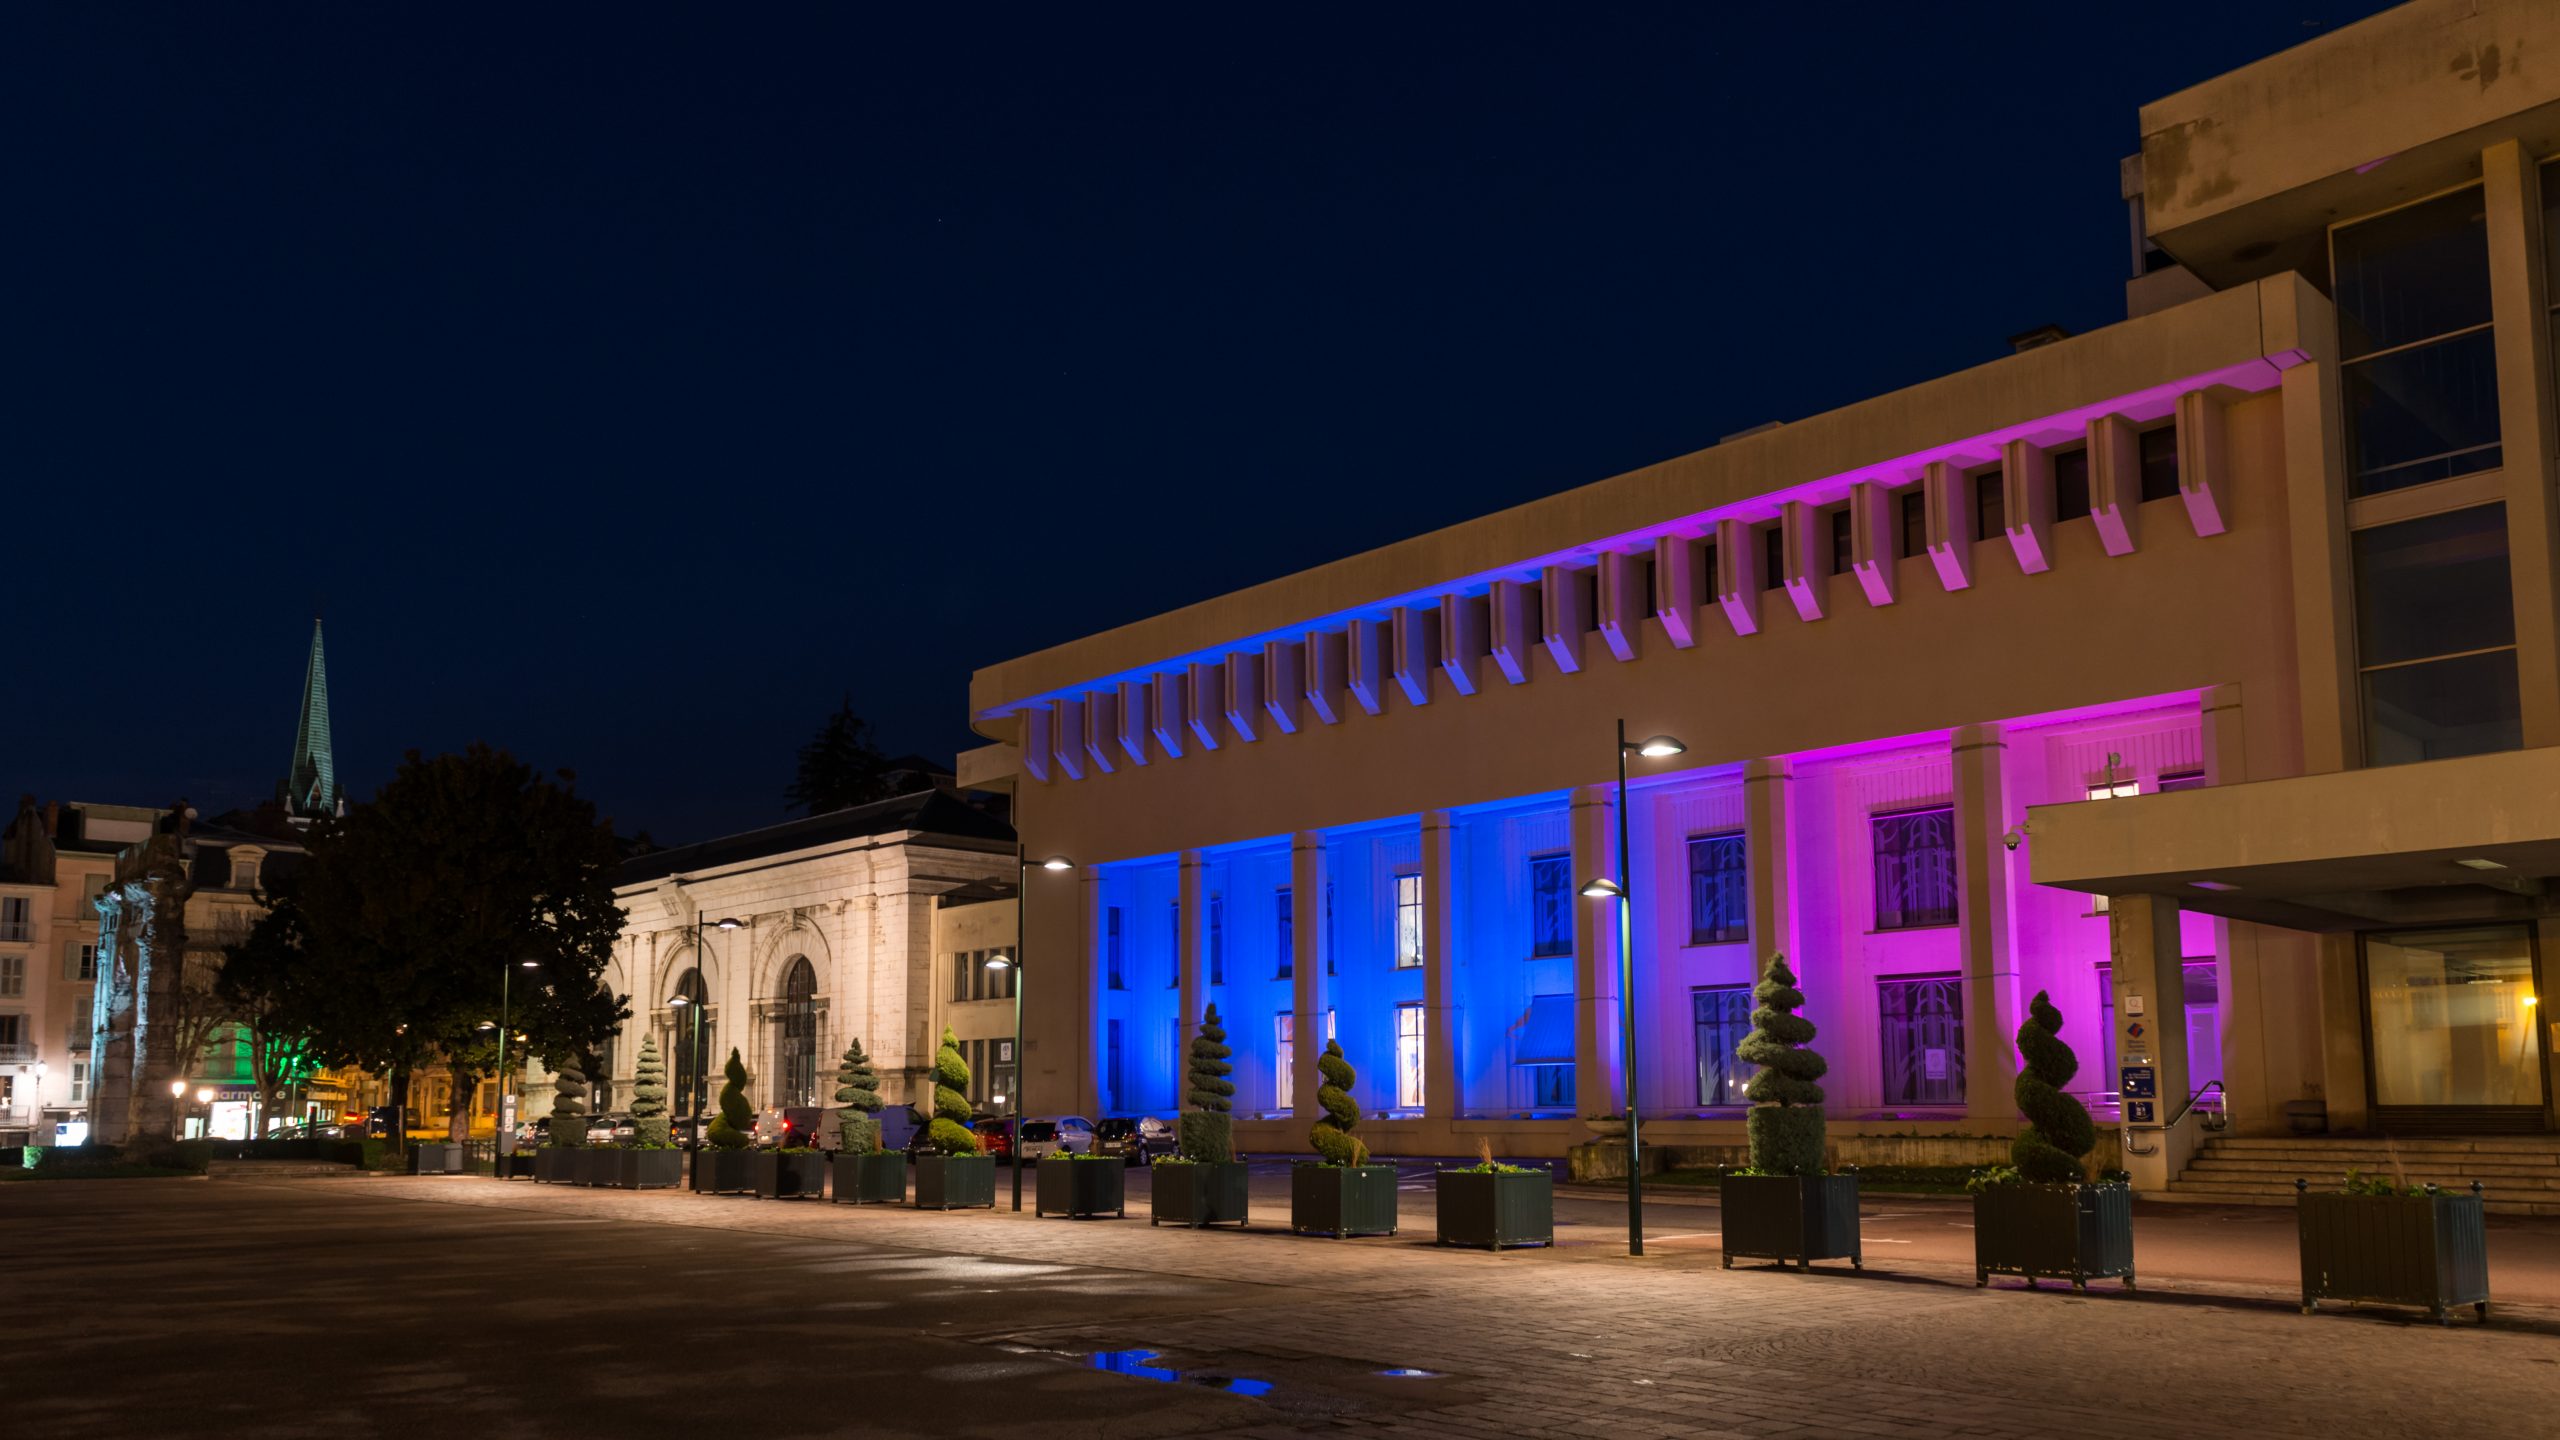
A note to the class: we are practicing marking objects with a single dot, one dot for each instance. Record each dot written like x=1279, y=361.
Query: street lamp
x=1013, y=962
x=1622, y=890
x=693, y=1117
x=503, y=1134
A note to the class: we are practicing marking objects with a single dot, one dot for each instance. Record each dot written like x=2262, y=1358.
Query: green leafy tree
x=1332, y=1134
x=734, y=1127
x=839, y=768
x=858, y=1091
x=949, y=1134
x=1208, y=1130
x=1785, y=1124
x=2056, y=1150
x=568, y=1102
x=649, y=1096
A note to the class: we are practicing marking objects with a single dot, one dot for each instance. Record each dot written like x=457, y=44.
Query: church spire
x=311, y=786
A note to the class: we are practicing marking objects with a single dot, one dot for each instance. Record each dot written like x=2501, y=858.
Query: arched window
x=796, y=1049
x=694, y=1042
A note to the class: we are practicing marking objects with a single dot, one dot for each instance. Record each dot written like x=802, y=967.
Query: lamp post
x=503, y=1134
x=1622, y=890
x=701, y=1068
x=1001, y=961
x=177, y=1109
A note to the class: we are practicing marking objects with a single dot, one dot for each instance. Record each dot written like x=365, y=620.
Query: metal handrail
x=2223, y=1112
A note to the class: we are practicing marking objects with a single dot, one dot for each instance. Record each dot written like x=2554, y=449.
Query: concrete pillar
x=1306, y=902
x=1085, y=1014
x=2316, y=531
x=1595, y=955
x=1767, y=804
x=1983, y=927
x=2520, y=304
x=2151, y=1034
x=2250, y=1083
x=2342, y=1062
x=1440, y=1018
x=1947, y=492
x=1193, y=896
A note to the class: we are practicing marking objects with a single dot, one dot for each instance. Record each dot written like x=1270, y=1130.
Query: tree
x=858, y=1090
x=262, y=984
x=839, y=768
x=949, y=1134
x=1785, y=1125
x=1332, y=1134
x=569, y=1102
x=734, y=1127
x=2055, y=1151
x=649, y=1097
x=1208, y=1130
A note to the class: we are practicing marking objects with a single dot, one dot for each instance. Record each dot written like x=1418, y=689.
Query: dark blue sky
x=630, y=384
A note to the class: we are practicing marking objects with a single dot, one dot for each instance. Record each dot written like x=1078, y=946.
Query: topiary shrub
x=649, y=1097
x=949, y=1134
x=569, y=1103
x=734, y=1127
x=1208, y=1130
x=2055, y=1152
x=1785, y=1123
x=1332, y=1134
x=858, y=1090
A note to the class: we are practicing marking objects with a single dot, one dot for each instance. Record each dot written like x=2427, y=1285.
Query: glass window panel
x=1408, y=921
x=2424, y=414
x=1719, y=893
x=2071, y=483
x=1922, y=1032
x=1840, y=542
x=1722, y=1017
x=2454, y=1018
x=2467, y=705
x=2437, y=585
x=1773, y=557
x=1990, y=505
x=1409, y=1057
x=2157, y=451
x=1915, y=868
x=1911, y=510
x=1114, y=956
x=1285, y=929
x=1550, y=905
x=2416, y=272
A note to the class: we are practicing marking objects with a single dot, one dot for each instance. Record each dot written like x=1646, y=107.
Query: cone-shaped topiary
x=734, y=1127
x=1332, y=1134
x=2052, y=1152
x=1208, y=1131
x=569, y=1103
x=649, y=1096
x=1785, y=1124
x=949, y=1134
x=858, y=1091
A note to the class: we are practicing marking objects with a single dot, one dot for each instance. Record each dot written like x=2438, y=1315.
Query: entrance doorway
x=2453, y=1033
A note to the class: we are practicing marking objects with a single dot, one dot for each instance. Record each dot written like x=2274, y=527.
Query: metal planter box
x=551, y=1164
x=871, y=1179
x=592, y=1166
x=1342, y=1200
x=2431, y=1251
x=435, y=1159
x=792, y=1175
x=955, y=1182
x=2077, y=1233
x=724, y=1172
x=1803, y=1218
x=1193, y=1194
x=1081, y=1189
x=639, y=1169
x=1495, y=1211
x=518, y=1166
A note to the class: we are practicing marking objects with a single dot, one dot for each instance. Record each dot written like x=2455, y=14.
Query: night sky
x=628, y=385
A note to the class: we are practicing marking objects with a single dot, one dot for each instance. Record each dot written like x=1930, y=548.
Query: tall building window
x=1544, y=1052
x=1719, y=898
x=1113, y=1070
x=1911, y=517
x=13, y=975
x=2156, y=456
x=2436, y=637
x=696, y=1032
x=1842, y=550
x=1720, y=1015
x=2419, y=369
x=79, y=1082
x=1284, y=925
x=1773, y=557
x=2071, y=484
x=1284, y=1049
x=79, y=961
x=1550, y=905
x=14, y=921
x=1408, y=921
x=797, y=1043
x=1217, y=939
x=1915, y=859
x=1990, y=505
x=1408, y=1057
x=1921, y=1025
x=1173, y=980
x=1114, y=950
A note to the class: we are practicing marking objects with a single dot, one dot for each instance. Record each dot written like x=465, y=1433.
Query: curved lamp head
x=727, y=922
x=999, y=961
x=487, y=1025
x=1057, y=862
x=679, y=1000
x=1603, y=888
x=177, y=1089
x=530, y=964
x=1659, y=747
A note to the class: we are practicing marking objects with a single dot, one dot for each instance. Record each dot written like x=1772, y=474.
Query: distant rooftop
x=935, y=812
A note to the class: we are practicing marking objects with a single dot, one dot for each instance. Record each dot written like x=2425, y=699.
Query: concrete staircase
x=2521, y=1172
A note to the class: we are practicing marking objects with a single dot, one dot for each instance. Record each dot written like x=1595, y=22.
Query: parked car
x=995, y=1137
x=534, y=1133
x=794, y=1127
x=688, y=1131
x=611, y=1130
x=899, y=1125
x=1072, y=1134
x=1137, y=1140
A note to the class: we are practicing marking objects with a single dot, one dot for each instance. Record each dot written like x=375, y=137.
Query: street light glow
x=999, y=961
x=1603, y=888
x=1660, y=746
x=679, y=1000
x=728, y=923
x=1057, y=862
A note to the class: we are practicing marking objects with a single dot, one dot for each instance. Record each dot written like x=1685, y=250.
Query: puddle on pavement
x=1134, y=1363
x=1407, y=1372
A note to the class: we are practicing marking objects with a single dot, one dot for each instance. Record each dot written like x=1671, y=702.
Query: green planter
x=724, y=1172
x=2077, y=1233
x=1342, y=1201
x=1080, y=1189
x=955, y=1182
x=518, y=1166
x=1494, y=1211
x=595, y=1166
x=879, y=1179
x=2431, y=1251
x=1194, y=1194
x=551, y=1164
x=1803, y=1218
x=436, y=1159
x=795, y=1175
x=639, y=1169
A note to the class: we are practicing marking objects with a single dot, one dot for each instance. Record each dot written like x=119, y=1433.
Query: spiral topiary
x=1208, y=1131
x=649, y=1096
x=1785, y=1124
x=1332, y=1134
x=858, y=1091
x=2054, y=1152
x=734, y=1127
x=569, y=1102
x=949, y=1134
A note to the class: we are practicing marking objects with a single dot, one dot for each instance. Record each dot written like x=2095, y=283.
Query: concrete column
x=1306, y=901
x=2241, y=959
x=1595, y=955
x=1082, y=1069
x=1983, y=927
x=2316, y=531
x=2151, y=1034
x=1440, y=1017
x=1767, y=804
x=2342, y=1062
x=2520, y=304
x=1193, y=956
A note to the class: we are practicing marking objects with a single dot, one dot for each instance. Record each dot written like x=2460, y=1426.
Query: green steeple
x=311, y=786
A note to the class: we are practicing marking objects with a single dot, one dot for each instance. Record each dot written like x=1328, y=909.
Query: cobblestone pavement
x=1587, y=1342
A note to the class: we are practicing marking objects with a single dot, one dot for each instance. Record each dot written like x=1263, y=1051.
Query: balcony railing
x=17, y=1054
x=20, y=931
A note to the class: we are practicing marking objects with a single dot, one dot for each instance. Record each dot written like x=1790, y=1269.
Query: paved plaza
x=405, y=1306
